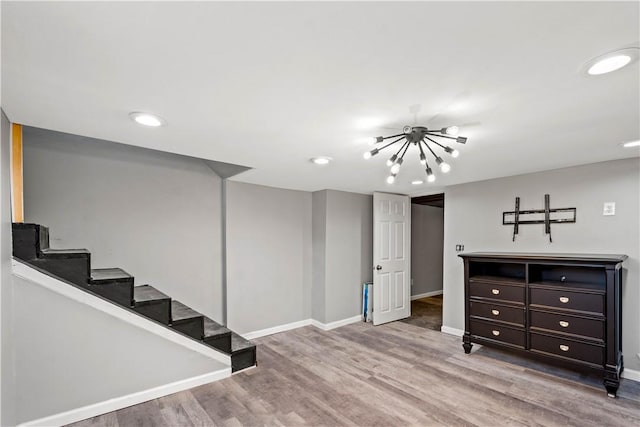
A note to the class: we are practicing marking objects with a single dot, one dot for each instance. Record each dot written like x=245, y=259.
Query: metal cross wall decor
x=561, y=215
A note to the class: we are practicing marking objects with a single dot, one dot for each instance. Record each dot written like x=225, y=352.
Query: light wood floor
x=391, y=375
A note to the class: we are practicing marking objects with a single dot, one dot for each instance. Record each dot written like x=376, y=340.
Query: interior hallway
x=426, y=313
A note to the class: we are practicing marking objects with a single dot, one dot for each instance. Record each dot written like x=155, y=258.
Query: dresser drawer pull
x=563, y=323
x=564, y=347
x=495, y=312
x=496, y=333
x=564, y=300
x=495, y=291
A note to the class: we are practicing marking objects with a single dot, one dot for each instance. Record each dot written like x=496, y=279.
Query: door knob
x=378, y=267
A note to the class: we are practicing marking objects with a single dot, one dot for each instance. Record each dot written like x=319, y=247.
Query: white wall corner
x=451, y=331
x=630, y=374
x=338, y=323
x=277, y=329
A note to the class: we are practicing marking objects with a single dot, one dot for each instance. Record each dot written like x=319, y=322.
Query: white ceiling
x=270, y=85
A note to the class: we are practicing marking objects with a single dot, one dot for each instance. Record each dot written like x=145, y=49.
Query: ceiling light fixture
x=611, y=61
x=321, y=160
x=147, y=119
x=420, y=137
x=631, y=144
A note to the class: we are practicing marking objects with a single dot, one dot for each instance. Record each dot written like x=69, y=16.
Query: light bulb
x=452, y=130
x=423, y=159
x=444, y=167
x=321, y=160
x=431, y=178
x=147, y=119
x=455, y=153
x=370, y=154
x=631, y=144
x=392, y=160
x=395, y=168
x=391, y=179
x=608, y=65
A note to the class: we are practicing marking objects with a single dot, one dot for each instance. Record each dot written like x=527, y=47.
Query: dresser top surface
x=539, y=256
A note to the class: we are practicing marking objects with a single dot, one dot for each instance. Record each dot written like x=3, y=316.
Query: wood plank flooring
x=390, y=375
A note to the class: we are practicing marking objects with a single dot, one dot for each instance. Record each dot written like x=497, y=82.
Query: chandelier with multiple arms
x=425, y=140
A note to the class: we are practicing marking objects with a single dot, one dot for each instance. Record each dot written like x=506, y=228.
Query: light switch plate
x=609, y=208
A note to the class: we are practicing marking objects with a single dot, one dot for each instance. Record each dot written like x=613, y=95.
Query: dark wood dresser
x=564, y=308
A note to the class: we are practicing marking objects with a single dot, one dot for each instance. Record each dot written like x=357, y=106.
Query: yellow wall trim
x=17, y=196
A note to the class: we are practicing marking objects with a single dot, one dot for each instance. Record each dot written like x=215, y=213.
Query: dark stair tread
x=146, y=293
x=180, y=312
x=109, y=274
x=24, y=225
x=239, y=343
x=212, y=328
x=63, y=252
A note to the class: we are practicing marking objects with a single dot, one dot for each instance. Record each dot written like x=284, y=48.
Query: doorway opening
x=427, y=248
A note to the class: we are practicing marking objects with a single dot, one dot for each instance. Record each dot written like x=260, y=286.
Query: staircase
x=31, y=244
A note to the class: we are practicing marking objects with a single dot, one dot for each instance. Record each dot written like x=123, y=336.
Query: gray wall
x=473, y=217
x=342, y=253
x=319, y=251
x=268, y=256
x=349, y=252
x=427, y=238
x=154, y=214
x=7, y=371
x=69, y=355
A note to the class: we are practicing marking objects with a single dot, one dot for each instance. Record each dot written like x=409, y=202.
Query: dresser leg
x=467, y=347
x=612, y=387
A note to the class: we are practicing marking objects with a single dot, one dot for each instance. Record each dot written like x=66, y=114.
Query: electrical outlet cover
x=609, y=208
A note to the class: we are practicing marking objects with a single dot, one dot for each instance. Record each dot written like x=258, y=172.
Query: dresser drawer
x=567, y=300
x=498, y=332
x=590, y=328
x=591, y=353
x=497, y=292
x=498, y=312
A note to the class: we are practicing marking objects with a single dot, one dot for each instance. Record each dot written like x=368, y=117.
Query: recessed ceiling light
x=631, y=144
x=321, y=160
x=417, y=182
x=611, y=61
x=147, y=119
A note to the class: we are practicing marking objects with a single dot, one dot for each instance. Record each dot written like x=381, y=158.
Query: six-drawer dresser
x=563, y=308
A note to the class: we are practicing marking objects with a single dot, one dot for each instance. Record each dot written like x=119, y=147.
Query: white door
x=391, y=257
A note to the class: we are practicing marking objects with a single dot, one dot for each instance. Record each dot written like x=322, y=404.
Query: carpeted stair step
x=186, y=320
x=217, y=336
x=243, y=353
x=152, y=303
x=114, y=284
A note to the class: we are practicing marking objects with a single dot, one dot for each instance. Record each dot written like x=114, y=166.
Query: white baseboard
x=58, y=286
x=301, y=323
x=426, y=295
x=110, y=405
x=333, y=325
x=451, y=331
x=630, y=374
x=276, y=329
